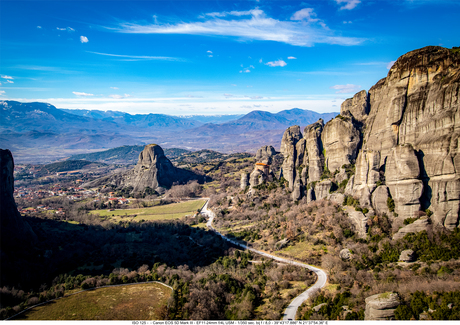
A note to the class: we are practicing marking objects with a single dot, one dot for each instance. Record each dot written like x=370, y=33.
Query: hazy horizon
x=209, y=58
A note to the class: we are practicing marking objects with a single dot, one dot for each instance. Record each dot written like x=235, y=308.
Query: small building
x=263, y=168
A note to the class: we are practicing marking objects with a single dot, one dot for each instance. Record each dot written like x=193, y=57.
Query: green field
x=162, y=212
x=131, y=302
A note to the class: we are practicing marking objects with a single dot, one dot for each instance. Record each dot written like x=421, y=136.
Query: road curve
x=291, y=310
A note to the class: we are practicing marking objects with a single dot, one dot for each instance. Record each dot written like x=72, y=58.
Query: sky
x=210, y=57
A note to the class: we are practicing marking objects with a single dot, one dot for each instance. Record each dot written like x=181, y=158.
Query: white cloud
x=260, y=60
x=116, y=96
x=250, y=25
x=245, y=71
x=138, y=57
x=2, y=92
x=0, y=83
x=347, y=22
x=348, y=4
x=210, y=56
x=60, y=28
x=39, y=27
x=114, y=87
x=6, y=77
x=346, y=89
x=228, y=95
x=390, y=64
x=81, y=94
x=10, y=82
x=292, y=58
x=210, y=52
x=84, y=39
x=307, y=14
x=233, y=85
x=278, y=63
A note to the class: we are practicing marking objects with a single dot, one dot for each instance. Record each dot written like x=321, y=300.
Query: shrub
x=391, y=204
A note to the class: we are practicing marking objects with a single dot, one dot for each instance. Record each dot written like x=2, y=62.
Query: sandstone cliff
x=403, y=136
x=153, y=169
x=15, y=231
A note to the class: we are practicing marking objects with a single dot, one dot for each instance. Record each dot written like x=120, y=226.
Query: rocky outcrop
x=379, y=200
x=381, y=306
x=407, y=255
x=153, y=170
x=358, y=106
x=402, y=172
x=322, y=189
x=244, y=180
x=409, y=124
x=291, y=156
x=345, y=254
x=359, y=221
x=257, y=177
x=417, y=226
x=341, y=139
x=265, y=154
x=15, y=232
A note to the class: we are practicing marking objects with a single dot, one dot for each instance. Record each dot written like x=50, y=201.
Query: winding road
x=291, y=310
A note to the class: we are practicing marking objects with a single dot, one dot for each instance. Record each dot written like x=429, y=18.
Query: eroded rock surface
x=381, y=306
x=359, y=220
x=417, y=226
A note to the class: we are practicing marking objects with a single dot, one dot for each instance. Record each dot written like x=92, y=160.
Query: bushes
x=391, y=204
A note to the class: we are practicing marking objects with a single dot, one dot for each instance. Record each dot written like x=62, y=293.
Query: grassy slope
x=163, y=212
x=139, y=302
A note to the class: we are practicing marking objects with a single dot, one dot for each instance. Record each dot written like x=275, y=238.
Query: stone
x=314, y=157
x=367, y=175
x=153, y=169
x=341, y=139
x=407, y=255
x=350, y=185
x=417, y=226
x=359, y=221
x=345, y=254
x=265, y=154
x=381, y=306
x=15, y=232
x=401, y=172
x=289, y=151
x=310, y=195
x=379, y=200
x=336, y=197
x=318, y=307
x=322, y=189
x=297, y=189
x=341, y=176
x=244, y=180
x=358, y=106
x=257, y=177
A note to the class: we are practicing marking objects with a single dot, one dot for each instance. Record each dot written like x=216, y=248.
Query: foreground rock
x=359, y=221
x=153, y=170
x=417, y=226
x=407, y=255
x=15, y=231
x=381, y=306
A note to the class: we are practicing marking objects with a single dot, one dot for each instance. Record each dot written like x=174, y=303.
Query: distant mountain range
x=41, y=131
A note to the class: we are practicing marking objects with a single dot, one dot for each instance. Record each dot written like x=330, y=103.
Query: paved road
x=291, y=310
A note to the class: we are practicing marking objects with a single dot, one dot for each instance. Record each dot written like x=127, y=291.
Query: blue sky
x=210, y=57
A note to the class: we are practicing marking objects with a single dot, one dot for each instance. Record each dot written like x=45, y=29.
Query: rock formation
x=403, y=136
x=244, y=180
x=417, y=226
x=345, y=254
x=359, y=220
x=153, y=169
x=15, y=231
x=381, y=306
x=407, y=256
x=265, y=154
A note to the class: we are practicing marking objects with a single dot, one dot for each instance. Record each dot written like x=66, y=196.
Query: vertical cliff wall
x=403, y=135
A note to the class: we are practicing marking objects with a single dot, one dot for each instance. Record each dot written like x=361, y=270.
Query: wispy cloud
x=84, y=39
x=81, y=94
x=69, y=29
x=139, y=57
x=278, y=63
x=9, y=81
x=346, y=89
x=348, y=4
x=292, y=58
x=114, y=87
x=6, y=77
x=2, y=92
x=116, y=96
x=39, y=27
x=249, y=25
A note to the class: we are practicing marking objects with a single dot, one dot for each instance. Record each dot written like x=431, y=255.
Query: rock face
x=417, y=226
x=244, y=181
x=381, y=306
x=407, y=256
x=15, y=231
x=359, y=220
x=265, y=154
x=403, y=133
x=153, y=169
x=345, y=254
